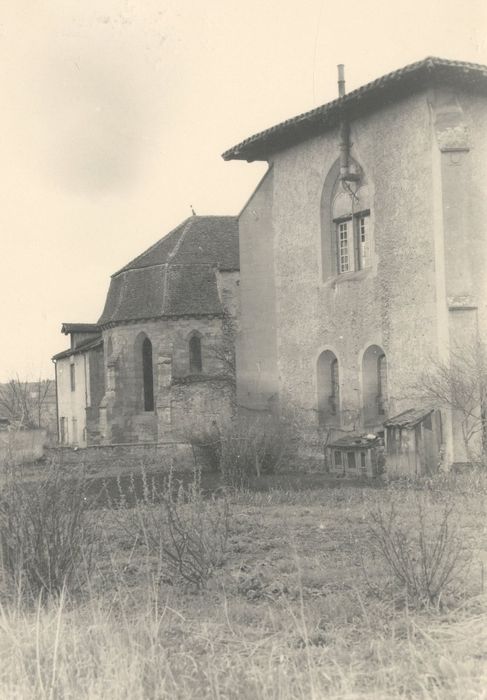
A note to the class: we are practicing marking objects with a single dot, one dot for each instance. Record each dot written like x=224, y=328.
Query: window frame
x=357, y=260
x=351, y=460
x=146, y=351
x=381, y=384
x=195, y=353
x=72, y=376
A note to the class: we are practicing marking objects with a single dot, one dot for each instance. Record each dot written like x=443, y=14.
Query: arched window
x=195, y=360
x=328, y=387
x=351, y=216
x=381, y=384
x=147, y=375
x=346, y=233
x=374, y=382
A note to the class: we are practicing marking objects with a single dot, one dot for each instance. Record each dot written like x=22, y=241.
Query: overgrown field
x=295, y=595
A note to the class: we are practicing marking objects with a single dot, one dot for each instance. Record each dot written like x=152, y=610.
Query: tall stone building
x=363, y=251
x=158, y=364
x=362, y=257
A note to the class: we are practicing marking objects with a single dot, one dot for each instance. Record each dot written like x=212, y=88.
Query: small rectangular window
x=338, y=458
x=75, y=430
x=363, y=460
x=72, y=374
x=351, y=460
x=363, y=236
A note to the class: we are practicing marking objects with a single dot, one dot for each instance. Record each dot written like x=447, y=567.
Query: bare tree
x=461, y=385
x=224, y=349
x=24, y=402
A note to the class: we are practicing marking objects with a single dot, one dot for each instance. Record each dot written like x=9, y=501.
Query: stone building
x=363, y=251
x=158, y=365
x=362, y=255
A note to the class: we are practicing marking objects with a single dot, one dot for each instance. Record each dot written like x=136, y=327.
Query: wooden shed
x=355, y=455
x=413, y=442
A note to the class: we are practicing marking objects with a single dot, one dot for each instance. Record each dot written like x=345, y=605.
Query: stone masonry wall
x=398, y=304
x=180, y=399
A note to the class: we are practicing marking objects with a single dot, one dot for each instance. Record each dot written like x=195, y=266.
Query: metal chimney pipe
x=341, y=80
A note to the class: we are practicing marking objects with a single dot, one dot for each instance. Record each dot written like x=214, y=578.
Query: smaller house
x=413, y=442
x=355, y=455
x=79, y=381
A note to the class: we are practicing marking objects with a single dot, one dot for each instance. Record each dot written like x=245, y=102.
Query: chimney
x=341, y=80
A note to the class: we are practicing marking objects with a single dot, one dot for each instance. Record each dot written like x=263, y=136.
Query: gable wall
x=257, y=376
x=421, y=216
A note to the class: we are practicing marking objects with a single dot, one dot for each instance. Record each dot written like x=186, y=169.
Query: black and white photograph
x=243, y=367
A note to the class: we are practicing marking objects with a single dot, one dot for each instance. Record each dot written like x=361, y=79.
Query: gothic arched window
x=147, y=375
x=328, y=382
x=195, y=358
x=346, y=232
x=374, y=382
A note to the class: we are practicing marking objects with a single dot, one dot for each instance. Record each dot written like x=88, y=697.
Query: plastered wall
x=426, y=216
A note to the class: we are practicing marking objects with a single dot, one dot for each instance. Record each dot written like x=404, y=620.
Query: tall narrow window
x=351, y=219
x=72, y=376
x=75, y=430
x=328, y=385
x=381, y=384
x=345, y=250
x=195, y=360
x=335, y=388
x=364, y=248
x=147, y=375
x=374, y=384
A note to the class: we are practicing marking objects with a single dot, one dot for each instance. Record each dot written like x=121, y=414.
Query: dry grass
x=290, y=615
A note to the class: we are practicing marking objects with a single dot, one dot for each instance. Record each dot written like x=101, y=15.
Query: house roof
x=177, y=276
x=374, y=95
x=79, y=328
x=87, y=345
x=356, y=442
x=409, y=418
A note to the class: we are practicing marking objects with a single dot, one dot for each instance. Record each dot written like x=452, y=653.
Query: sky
x=115, y=114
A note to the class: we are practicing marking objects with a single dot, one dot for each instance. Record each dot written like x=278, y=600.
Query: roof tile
x=177, y=275
x=387, y=88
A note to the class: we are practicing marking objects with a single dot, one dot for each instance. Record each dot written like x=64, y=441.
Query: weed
x=251, y=447
x=186, y=530
x=424, y=554
x=45, y=540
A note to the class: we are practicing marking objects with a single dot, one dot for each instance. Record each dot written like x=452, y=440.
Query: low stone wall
x=125, y=456
x=22, y=446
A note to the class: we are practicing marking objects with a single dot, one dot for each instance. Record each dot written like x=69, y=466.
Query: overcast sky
x=115, y=114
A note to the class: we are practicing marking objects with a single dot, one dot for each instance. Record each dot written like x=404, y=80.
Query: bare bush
x=45, y=539
x=460, y=384
x=187, y=531
x=206, y=444
x=255, y=446
x=424, y=553
x=26, y=403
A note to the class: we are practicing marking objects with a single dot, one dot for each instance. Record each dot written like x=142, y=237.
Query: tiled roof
x=356, y=442
x=369, y=97
x=79, y=328
x=90, y=344
x=409, y=418
x=176, y=276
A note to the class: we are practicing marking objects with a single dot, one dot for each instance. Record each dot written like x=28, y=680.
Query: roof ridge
x=430, y=62
x=184, y=233
x=154, y=245
x=174, y=252
x=131, y=264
